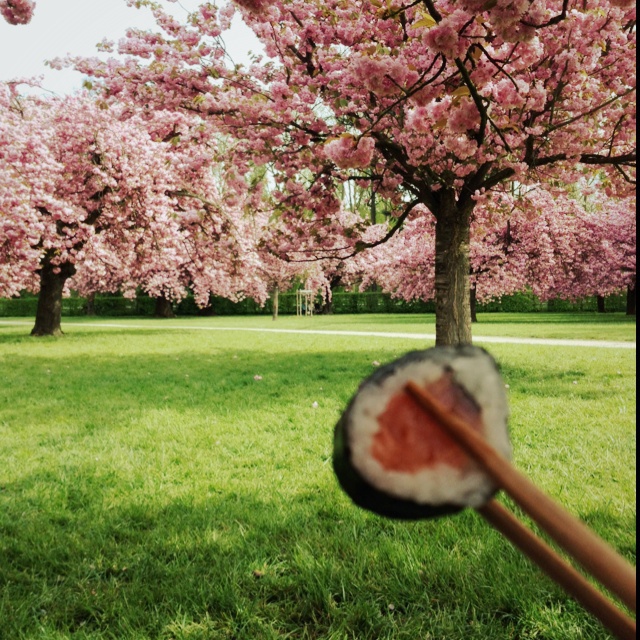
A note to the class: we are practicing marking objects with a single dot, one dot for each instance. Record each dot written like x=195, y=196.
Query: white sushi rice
x=440, y=484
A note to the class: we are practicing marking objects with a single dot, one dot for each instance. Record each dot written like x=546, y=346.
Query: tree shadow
x=243, y=563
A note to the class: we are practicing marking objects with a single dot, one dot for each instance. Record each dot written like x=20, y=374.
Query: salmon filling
x=409, y=440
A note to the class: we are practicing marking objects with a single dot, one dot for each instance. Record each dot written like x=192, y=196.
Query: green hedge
x=517, y=302
x=343, y=302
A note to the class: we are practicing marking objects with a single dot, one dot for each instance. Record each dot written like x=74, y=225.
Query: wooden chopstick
x=595, y=555
x=574, y=583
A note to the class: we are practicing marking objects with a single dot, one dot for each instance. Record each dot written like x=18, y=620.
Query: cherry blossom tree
x=546, y=242
x=106, y=199
x=17, y=11
x=432, y=102
x=621, y=236
x=590, y=251
x=207, y=240
x=81, y=174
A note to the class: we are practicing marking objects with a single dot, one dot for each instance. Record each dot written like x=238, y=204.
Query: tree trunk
x=372, y=218
x=372, y=207
x=49, y=309
x=163, y=308
x=453, y=312
x=600, y=303
x=631, y=300
x=90, y=307
x=326, y=307
x=275, y=302
x=473, y=304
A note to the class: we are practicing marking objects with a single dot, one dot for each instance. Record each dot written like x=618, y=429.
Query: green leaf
x=426, y=22
x=461, y=91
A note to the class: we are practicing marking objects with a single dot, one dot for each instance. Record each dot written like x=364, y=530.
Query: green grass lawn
x=150, y=487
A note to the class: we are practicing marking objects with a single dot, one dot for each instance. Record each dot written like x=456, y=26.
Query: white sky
x=59, y=27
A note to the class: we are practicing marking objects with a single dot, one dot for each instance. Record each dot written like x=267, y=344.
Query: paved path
x=424, y=337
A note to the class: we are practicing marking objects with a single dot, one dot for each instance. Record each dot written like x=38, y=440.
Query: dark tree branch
x=497, y=64
x=623, y=173
x=626, y=159
x=361, y=246
x=433, y=12
x=474, y=183
x=595, y=109
x=477, y=99
x=496, y=178
x=419, y=185
x=408, y=93
x=555, y=20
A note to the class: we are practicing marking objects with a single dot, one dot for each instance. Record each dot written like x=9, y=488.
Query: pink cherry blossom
x=556, y=246
x=17, y=11
x=254, y=6
x=349, y=153
x=445, y=38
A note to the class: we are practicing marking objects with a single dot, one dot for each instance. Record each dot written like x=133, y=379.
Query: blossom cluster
x=349, y=153
x=113, y=199
x=17, y=11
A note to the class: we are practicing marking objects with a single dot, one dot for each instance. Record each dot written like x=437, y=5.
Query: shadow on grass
x=247, y=566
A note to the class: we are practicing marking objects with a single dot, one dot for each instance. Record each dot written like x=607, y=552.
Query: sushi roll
x=392, y=458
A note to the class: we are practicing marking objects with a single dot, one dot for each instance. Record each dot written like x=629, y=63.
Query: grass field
x=150, y=487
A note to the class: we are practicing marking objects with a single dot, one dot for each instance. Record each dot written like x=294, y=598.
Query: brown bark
x=631, y=300
x=49, y=309
x=473, y=302
x=453, y=309
x=163, y=309
x=326, y=307
x=275, y=302
x=600, y=304
x=91, y=304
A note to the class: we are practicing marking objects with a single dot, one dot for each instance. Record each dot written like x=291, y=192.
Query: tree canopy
x=427, y=102
x=473, y=121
